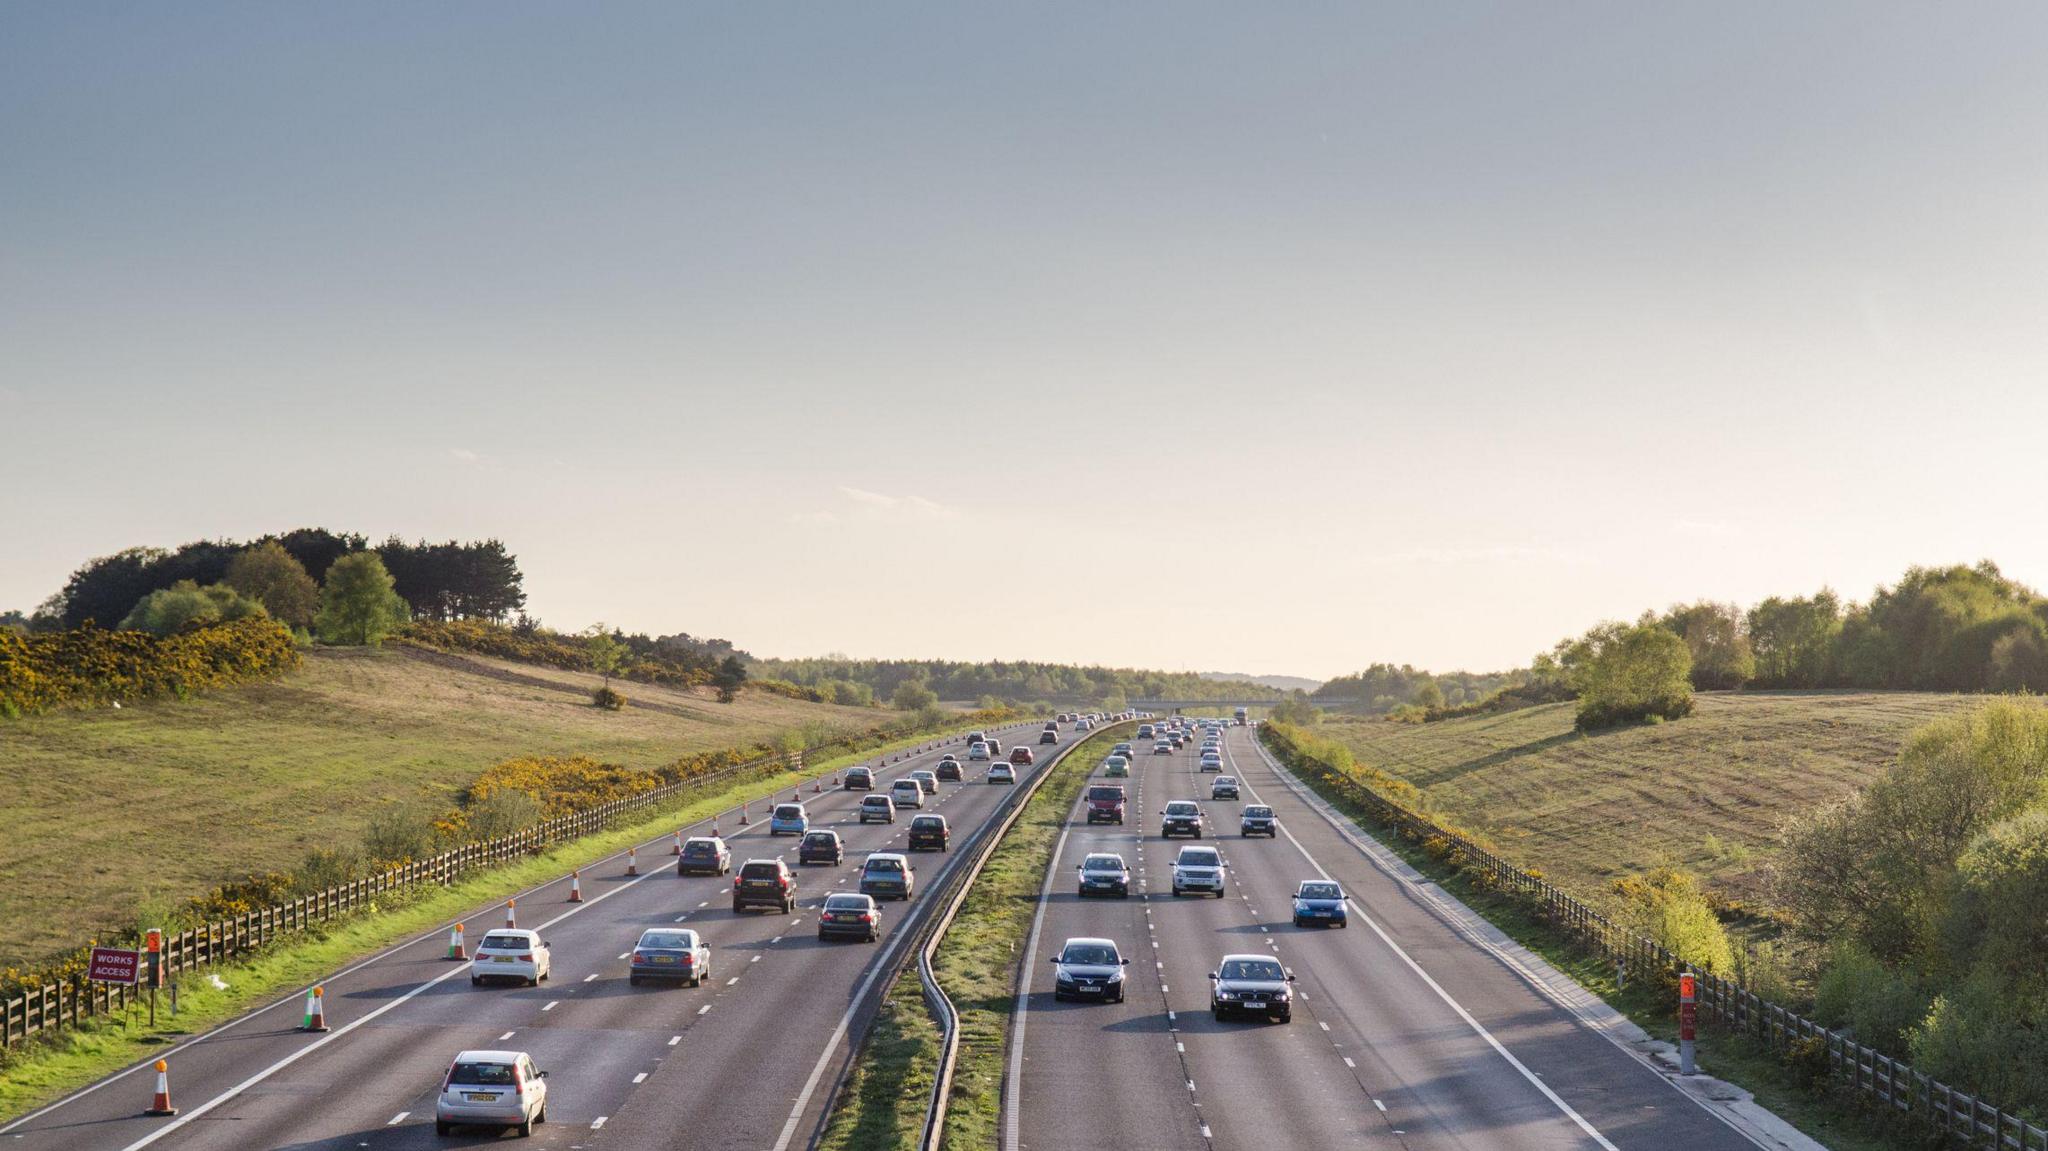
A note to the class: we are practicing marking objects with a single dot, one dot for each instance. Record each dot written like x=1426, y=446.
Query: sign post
x=1688, y=1017
x=114, y=965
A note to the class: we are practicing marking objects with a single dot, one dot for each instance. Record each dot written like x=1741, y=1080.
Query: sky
x=1264, y=338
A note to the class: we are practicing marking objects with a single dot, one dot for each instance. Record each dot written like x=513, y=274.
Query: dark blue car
x=1319, y=903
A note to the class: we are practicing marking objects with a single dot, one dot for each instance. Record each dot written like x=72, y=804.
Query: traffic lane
x=1247, y=1072
x=1100, y=1073
x=214, y=1063
x=1631, y=1105
x=1428, y=1073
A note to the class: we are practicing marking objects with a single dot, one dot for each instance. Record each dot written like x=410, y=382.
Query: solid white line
x=398, y=1118
x=345, y=1028
x=1534, y=1079
x=1013, y=1097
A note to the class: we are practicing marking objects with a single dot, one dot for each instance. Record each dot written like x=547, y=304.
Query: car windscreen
x=1105, y=793
x=1093, y=954
x=482, y=1075
x=885, y=865
x=846, y=903
x=1259, y=969
x=1181, y=809
x=1320, y=891
x=1259, y=812
x=667, y=941
x=1102, y=863
x=1198, y=859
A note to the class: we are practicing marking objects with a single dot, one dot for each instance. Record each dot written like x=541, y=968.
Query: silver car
x=492, y=1089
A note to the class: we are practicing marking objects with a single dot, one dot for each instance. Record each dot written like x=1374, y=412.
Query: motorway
x=747, y=1061
x=1406, y=1034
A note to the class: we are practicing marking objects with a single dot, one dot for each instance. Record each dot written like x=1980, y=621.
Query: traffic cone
x=678, y=849
x=456, y=951
x=835, y=779
x=575, y=887
x=316, y=1011
x=796, y=796
x=743, y=814
x=632, y=861
x=818, y=786
x=161, y=1103
x=511, y=914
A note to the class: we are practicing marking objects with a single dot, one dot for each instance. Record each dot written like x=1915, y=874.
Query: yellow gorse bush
x=90, y=665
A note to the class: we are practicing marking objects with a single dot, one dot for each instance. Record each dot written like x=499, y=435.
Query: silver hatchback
x=492, y=1089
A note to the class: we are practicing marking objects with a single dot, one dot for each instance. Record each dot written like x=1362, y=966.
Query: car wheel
x=632, y=981
x=737, y=907
x=476, y=981
x=526, y=1129
x=1058, y=996
x=874, y=937
x=541, y=1116
x=1216, y=1012
x=442, y=1129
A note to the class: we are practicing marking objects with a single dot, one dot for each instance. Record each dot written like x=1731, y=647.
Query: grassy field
x=111, y=812
x=1706, y=793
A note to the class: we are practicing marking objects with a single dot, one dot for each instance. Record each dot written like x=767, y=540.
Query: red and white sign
x=115, y=965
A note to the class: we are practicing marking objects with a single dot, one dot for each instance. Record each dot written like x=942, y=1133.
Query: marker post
x=1688, y=1017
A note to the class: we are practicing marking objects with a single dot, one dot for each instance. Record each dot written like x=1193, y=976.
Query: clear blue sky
x=1312, y=335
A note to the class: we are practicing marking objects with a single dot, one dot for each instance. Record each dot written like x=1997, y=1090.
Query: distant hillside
x=1280, y=682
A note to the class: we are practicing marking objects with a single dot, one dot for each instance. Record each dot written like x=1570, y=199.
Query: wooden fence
x=1886, y=1081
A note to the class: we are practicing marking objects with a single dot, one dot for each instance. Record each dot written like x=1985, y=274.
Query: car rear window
x=506, y=942
x=668, y=940
x=875, y=801
x=885, y=865
x=928, y=823
x=482, y=1075
x=824, y=837
x=788, y=811
x=759, y=871
x=847, y=903
x=701, y=845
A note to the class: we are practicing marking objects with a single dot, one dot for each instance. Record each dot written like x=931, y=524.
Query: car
x=1255, y=984
x=1212, y=762
x=877, y=809
x=927, y=781
x=860, y=779
x=974, y=737
x=1144, y=731
x=888, y=874
x=1020, y=756
x=977, y=751
x=1048, y=737
x=1180, y=817
x=930, y=833
x=492, y=1088
x=1116, y=767
x=995, y=747
x=1083, y=725
x=788, y=819
x=1104, y=873
x=1320, y=902
x=1089, y=968
x=704, y=855
x=949, y=769
x=1177, y=740
x=821, y=846
x=1001, y=773
x=1258, y=819
x=1123, y=749
x=1198, y=869
x=1053, y=725
x=1223, y=787
x=1105, y=803
x=907, y=792
x=845, y=914
x=764, y=883
x=1162, y=747
x=512, y=953
x=670, y=953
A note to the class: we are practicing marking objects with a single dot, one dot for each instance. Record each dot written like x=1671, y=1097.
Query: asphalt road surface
x=746, y=1061
x=1405, y=1033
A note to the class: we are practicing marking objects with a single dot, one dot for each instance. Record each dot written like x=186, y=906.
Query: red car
x=1020, y=756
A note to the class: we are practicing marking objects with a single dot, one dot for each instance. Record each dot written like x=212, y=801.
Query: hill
x=162, y=801
x=1277, y=682
x=1706, y=793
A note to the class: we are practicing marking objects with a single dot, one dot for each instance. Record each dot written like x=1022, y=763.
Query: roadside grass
x=1834, y=1116
x=883, y=1102
x=49, y=1067
x=303, y=762
x=1706, y=793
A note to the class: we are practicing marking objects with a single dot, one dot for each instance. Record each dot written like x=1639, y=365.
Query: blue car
x=1319, y=903
x=788, y=819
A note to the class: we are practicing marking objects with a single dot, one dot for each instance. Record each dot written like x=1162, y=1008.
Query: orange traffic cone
x=743, y=815
x=161, y=1104
x=575, y=887
x=456, y=951
x=678, y=849
x=632, y=861
x=511, y=913
x=316, y=1010
x=817, y=787
x=796, y=796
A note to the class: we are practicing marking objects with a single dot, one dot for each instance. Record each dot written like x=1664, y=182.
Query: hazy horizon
x=1183, y=337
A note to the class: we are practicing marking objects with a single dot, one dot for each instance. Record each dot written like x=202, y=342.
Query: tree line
x=862, y=681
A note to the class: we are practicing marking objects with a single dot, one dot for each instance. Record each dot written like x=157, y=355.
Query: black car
x=1104, y=873
x=930, y=833
x=821, y=847
x=860, y=779
x=764, y=883
x=1251, y=984
x=1181, y=817
x=949, y=770
x=1048, y=737
x=1258, y=820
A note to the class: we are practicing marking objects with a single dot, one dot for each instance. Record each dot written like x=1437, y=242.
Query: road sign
x=114, y=965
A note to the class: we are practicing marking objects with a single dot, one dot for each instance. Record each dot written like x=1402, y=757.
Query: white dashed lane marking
x=398, y=1118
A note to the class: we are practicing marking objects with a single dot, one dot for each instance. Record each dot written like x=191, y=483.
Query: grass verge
x=882, y=1106
x=1834, y=1116
x=49, y=1067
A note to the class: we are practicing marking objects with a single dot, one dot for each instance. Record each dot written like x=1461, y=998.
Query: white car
x=511, y=954
x=1198, y=869
x=492, y=1089
x=1212, y=762
x=907, y=793
x=976, y=751
x=1002, y=773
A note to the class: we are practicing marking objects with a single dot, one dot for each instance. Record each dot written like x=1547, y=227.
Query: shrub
x=185, y=605
x=88, y=665
x=1673, y=911
x=270, y=575
x=1633, y=674
x=913, y=695
x=607, y=699
x=1877, y=1004
x=399, y=833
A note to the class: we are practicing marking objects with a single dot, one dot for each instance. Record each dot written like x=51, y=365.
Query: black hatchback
x=821, y=847
x=930, y=833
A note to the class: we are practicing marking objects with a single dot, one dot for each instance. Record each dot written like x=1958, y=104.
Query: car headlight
x=1065, y=978
x=1117, y=976
x=1226, y=995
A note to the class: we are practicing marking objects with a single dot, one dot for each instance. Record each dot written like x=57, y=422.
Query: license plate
x=479, y=1097
x=1323, y=914
x=664, y=958
x=1089, y=990
x=502, y=959
x=1254, y=1003
x=760, y=883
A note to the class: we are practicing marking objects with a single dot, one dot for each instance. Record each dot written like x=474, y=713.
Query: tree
x=913, y=695
x=1632, y=673
x=606, y=652
x=730, y=677
x=1427, y=695
x=185, y=605
x=267, y=573
x=1713, y=633
x=1793, y=640
x=357, y=603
